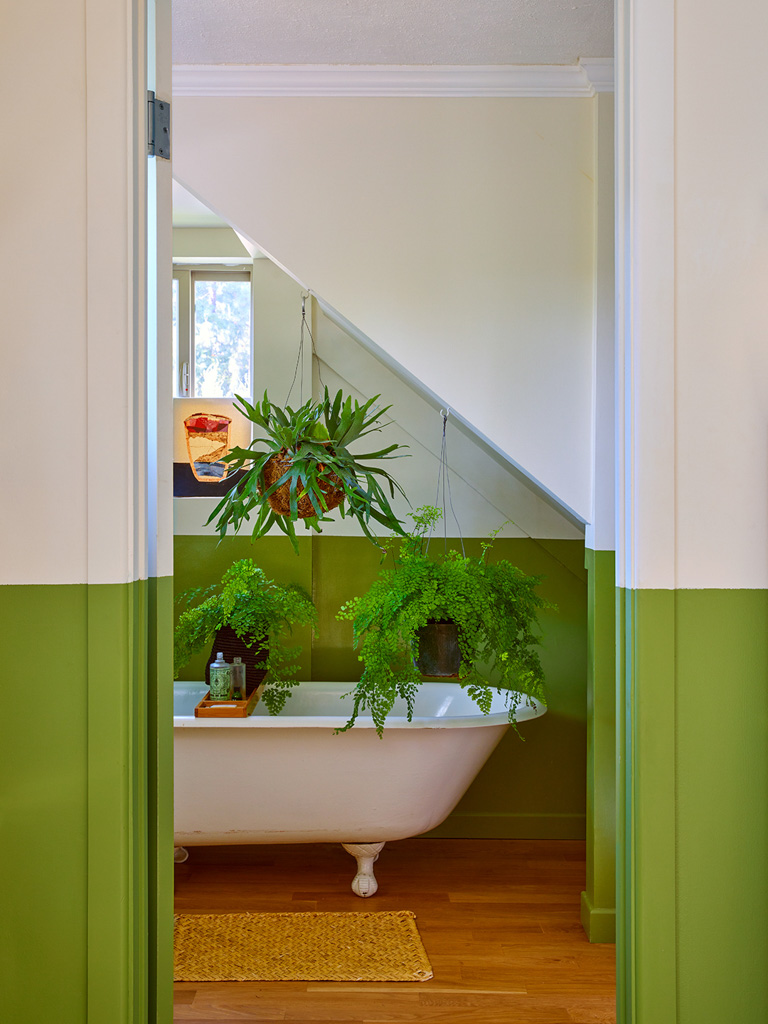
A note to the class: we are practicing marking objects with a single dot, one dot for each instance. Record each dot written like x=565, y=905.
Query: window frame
x=184, y=357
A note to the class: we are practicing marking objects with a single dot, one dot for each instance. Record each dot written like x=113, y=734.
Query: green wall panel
x=160, y=800
x=528, y=789
x=201, y=561
x=88, y=913
x=722, y=805
x=598, y=901
x=536, y=788
x=693, y=889
x=116, y=801
x=43, y=780
x=343, y=567
x=624, y=807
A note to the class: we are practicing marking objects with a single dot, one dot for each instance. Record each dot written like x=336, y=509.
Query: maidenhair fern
x=257, y=609
x=494, y=605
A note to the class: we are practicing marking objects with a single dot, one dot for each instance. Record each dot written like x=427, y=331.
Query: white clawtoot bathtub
x=289, y=778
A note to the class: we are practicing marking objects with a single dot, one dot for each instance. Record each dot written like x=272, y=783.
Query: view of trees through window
x=222, y=338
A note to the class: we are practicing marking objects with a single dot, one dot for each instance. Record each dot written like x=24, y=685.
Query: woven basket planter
x=280, y=500
x=232, y=646
x=439, y=653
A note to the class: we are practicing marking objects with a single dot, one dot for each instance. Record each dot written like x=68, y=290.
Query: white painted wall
x=484, y=494
x=721, y=209
x=76, y=502
x=694, y=264
x=601, y=530
x=44, y=343
x=220, y=245
x=456, y=233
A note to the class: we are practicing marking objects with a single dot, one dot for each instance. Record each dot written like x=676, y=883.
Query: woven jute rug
x=376, y=946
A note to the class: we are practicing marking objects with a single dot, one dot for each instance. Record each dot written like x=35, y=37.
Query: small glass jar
x=220, y=679
x=238, y=679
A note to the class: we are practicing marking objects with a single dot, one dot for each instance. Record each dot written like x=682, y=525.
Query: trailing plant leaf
x=258, y=610
x=494, y=605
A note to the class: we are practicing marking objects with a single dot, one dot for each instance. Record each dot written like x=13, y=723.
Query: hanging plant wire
x=444, y=484
x=300, y=356
x=302, y=468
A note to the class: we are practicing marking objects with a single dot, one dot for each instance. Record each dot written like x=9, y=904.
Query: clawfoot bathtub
x=290, y=779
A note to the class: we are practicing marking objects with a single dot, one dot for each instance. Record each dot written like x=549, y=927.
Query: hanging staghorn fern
x=303, y=468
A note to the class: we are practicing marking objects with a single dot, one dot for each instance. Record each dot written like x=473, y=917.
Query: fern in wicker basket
x=302, y=469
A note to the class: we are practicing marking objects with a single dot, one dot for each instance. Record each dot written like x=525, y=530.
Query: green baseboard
x=598, y=922
x=510, y=826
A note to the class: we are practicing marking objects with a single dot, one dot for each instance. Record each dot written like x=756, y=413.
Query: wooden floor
x=499, y=920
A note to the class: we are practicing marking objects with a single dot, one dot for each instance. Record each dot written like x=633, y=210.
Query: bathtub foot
x=364, y=883
x=180, y=854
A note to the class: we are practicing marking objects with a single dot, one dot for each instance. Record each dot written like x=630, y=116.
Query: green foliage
x=493, y=604
x=315, y=438
x=222, y=337
x=257, y=609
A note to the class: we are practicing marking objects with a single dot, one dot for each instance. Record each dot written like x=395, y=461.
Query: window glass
x=222, y=338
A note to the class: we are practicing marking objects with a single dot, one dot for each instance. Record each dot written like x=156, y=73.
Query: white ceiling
x=391, y=31
x=399, y=32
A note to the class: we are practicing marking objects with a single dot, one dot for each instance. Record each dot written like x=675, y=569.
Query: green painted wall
x=598, y=901
x=534, y=788
x=43, y=777
x=84, y=774
x=159, y=732
x=201, y=561
x=693, y=799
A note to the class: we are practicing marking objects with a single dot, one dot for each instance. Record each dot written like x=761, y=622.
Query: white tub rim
x=526, y=710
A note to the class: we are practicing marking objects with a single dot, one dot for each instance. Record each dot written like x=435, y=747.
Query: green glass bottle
x=238, y=679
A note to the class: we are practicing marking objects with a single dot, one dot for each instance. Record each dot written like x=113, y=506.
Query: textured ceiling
x=391, y=31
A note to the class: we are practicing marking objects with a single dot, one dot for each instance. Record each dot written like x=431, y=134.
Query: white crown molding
x=599, y=71
x=505, y=80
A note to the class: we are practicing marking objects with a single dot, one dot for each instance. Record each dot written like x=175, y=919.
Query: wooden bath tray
x=208, y=708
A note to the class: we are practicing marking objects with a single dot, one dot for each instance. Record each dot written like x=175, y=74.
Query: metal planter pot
x=439, y=653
